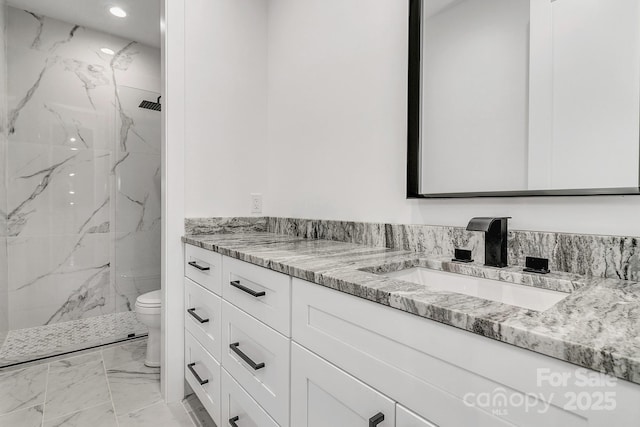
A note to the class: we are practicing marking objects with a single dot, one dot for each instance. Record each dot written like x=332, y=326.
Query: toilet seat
x=149, y=300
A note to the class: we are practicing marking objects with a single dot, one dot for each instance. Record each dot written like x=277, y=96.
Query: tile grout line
x=46, y=390
x=104, y=366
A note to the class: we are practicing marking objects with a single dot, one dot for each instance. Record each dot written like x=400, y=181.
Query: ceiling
x=142, y=23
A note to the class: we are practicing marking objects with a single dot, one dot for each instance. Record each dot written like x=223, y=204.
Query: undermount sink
x=508, y=293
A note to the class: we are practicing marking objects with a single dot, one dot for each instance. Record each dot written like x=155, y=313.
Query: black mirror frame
x=414, y=96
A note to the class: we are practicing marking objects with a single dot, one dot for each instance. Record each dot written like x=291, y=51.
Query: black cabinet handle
x=236, y=284
x=192, y=312
x=236, y=350
x=198, y=266
x=195, y=374
x=232, y=421
x=376, y=419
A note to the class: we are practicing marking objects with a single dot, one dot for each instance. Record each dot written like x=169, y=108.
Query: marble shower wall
x=616, y=257
x=4, y=275
x=83, y=171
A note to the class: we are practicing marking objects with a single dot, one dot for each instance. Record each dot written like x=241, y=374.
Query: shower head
x=149, y=105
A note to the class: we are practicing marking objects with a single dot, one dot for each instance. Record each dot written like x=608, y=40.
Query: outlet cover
x=256, y=203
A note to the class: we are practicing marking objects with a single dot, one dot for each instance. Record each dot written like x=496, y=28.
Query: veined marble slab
x=596, y=326
x=614, y=257
x=224, y=225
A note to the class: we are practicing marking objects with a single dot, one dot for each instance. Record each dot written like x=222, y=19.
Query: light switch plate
x=256, y=203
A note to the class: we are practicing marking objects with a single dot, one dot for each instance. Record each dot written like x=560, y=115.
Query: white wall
x=226, y=116
x=337, y=130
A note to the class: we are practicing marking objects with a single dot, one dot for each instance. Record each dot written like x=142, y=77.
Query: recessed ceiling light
x=118, y=11
x=72, y=139
x=107, y=51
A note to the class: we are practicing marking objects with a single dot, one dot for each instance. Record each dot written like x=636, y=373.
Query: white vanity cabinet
x=446, y=375
x=237, y=339
x=278, y=351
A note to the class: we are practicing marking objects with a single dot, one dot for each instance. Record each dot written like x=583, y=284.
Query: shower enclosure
x=79, y=184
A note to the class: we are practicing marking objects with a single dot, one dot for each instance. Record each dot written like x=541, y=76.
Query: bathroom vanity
x=287, y=331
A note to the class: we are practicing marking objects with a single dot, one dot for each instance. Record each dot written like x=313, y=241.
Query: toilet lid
x=149, y=299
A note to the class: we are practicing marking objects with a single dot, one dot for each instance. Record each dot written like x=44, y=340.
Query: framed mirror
x=523, y=98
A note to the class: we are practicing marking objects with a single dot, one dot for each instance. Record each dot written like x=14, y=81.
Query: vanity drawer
x=239, y=408
x=258, y=358
x=264, y=294
x=202, y=316
x=203, y=267
x=200, y=368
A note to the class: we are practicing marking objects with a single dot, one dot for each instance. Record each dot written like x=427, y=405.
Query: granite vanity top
x=597, y=326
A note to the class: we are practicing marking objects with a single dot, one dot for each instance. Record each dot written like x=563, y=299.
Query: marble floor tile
x=22, y=388
x=156, y=415
x=30, y=417
x=94, y=389
x=75, y=384
x=133, y=386
x=98, y=416
x=124, y=354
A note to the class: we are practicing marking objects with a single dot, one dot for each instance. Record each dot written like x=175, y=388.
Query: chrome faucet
x=495, y=239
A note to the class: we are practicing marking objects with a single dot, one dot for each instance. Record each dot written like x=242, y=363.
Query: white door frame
x=173, y=133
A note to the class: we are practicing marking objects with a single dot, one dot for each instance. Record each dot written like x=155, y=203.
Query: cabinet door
x=406, y=418
x=323, y=395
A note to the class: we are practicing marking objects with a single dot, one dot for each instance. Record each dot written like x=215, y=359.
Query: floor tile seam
x=46, y=389
x=113, y=405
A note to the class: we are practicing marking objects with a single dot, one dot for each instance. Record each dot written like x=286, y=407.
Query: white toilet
x=148, y=313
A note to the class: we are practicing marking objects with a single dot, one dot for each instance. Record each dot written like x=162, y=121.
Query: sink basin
x=508, y=293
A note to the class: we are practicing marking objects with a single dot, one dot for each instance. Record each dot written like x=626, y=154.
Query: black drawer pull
x=198, y=266
x=192, y=312
x=236, y=350
x=376, y=419
x=232, y=421
x=236, y=284
x=195, y=374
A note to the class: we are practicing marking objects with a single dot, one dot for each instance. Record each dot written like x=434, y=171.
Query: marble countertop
x=597, y=326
